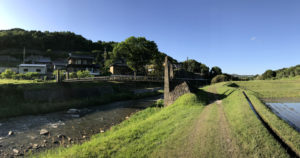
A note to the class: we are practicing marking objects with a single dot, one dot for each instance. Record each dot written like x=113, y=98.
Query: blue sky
x=240, y=36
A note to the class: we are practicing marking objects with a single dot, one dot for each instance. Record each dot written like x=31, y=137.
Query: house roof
x=76, y=56
x=32, y=65
x=119, y=64
x=41, y=59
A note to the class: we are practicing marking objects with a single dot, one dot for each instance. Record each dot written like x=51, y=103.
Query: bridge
x=131, y=78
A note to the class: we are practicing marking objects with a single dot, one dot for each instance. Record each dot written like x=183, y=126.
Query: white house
x=39, y=68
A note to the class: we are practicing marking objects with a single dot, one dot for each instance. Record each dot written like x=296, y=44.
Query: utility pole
x=105, y=54
x=24, y=51
x=187, y=64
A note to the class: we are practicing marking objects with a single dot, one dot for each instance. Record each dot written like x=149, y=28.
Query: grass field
x=273, y=88
x=194, y=126
x=10, y=81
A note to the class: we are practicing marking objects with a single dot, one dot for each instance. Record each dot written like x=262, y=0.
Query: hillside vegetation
x=281, y=73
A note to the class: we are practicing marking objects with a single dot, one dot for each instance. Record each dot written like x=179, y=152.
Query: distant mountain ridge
x=59, y=41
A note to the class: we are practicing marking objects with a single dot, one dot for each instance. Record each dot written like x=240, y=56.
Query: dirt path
x=209, y=136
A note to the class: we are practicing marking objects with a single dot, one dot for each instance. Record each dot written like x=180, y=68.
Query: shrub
x=8, y=74
x=62, y=74
x=83, y=74
x=31, y=75
x=73, y=75
x=219, y=78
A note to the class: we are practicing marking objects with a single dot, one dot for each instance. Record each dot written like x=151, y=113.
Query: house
x=9, y=62
x=120, y=68
x=59, y=64
x=82, y=63
x=39, y=68
x=37, y=59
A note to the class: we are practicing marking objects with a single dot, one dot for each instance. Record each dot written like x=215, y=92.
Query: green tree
x=215, y=71
x=219, y=78
x=204, y=70
x=268, y=74
x=137, y=51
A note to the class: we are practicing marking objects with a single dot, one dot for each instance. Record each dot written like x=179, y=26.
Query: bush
x=219, y=78
x=62, y=73
x=31, y=75
x=83, y=74
x=73, y=75
x=8, y=74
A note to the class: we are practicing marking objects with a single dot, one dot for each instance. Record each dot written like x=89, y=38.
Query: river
x=20, y=135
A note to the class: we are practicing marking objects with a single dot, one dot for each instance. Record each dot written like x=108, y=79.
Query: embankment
x=22, y=99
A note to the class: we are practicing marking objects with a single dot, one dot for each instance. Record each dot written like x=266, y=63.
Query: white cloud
x=253, y=38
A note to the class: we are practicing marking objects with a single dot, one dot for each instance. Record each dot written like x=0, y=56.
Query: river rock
x=73, y=111
x=61, y=136
x=16, y=151
x=35, y=146
x=44, y=132
x=10, y=133
x=75, y=115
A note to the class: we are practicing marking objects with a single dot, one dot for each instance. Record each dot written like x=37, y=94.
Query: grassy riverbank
x=26, y=97
x=194, y=126
x=275, y=89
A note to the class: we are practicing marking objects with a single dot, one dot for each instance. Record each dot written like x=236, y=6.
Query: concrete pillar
x=58, y=79
x=166, y=82
x=67, y=75
x=171, y=71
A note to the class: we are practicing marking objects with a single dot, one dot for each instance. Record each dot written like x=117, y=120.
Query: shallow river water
x=288, y=111
x=64, y=128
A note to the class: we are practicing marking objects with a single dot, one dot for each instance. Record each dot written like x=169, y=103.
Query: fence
x=119, y=78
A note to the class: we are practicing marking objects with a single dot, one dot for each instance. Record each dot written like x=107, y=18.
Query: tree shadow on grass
x=206, y=97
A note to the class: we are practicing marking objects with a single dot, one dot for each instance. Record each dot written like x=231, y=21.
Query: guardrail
x=118, y=78
x=130, y=78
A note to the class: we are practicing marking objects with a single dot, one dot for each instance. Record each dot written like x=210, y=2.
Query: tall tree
x=138, y=52
x=215, y=71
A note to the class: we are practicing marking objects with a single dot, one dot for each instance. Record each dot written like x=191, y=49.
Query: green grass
x=272, y=88
x=288, y=134
x=251, y=135
x=140, y=136
x=165, y=132
x=11, y=81
x=275, y=89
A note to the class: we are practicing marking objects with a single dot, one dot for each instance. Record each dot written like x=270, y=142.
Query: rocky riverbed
x=30, y=134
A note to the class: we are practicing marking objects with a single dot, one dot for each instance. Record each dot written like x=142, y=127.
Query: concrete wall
x=64, y=94
x=178, y=91
x=173, y=89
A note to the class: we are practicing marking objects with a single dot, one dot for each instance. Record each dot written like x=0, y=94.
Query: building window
x=25, y=70
x=78, y=61
x=84, y=62
x=38, y=70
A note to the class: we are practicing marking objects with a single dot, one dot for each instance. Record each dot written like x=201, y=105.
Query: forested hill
x=281, y=73
x=54, y=41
